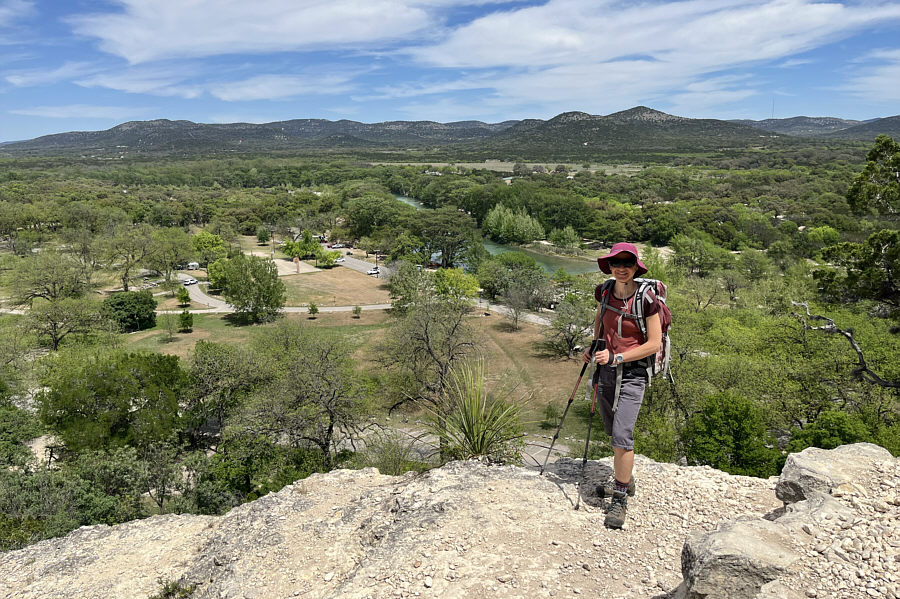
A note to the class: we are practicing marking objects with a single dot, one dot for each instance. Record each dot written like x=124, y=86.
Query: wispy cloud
x=567, y=52
x=151, y=30
x=166, y=82
x=877, y=78
x=81, y=111
x=793, y=63
x=276, y=87
x=65, y=72
x=13, y=10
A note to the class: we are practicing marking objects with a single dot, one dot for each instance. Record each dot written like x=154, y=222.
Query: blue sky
x=70, y=65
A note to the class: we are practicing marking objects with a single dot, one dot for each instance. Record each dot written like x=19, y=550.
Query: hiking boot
x=615, y=516
x=608, y=488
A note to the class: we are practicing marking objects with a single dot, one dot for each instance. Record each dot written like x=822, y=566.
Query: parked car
x=190, y=281
x=337, y=245
x=373, y=271
x=341, y=260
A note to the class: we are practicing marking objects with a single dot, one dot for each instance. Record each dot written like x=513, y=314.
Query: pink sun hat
x=621, y=248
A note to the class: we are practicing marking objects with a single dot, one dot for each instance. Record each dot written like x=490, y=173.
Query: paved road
x=217, y=306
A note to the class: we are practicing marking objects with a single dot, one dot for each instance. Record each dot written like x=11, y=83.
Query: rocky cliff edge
x=472, y=530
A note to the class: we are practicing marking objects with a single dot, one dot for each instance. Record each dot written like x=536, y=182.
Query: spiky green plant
x=474, y=424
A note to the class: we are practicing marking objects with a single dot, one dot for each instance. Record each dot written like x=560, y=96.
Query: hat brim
x=603, y=263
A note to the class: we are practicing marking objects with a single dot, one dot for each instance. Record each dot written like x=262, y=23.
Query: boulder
x=735, y=560
x=818, y=470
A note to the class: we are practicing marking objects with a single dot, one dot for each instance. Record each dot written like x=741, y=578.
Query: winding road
x=218, y=306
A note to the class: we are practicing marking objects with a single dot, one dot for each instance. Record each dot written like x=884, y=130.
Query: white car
x=337, y=246
x=190, y=281
x=341, y=260
x=373, y=271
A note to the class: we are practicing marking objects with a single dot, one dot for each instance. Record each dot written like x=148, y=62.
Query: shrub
x=391, y=453
x=184, y=298
x=729, y=434
x=476, y=425
x=132, y=310
x=357, y=311
x=313, y=309
x=829, y=430
x=185, y=322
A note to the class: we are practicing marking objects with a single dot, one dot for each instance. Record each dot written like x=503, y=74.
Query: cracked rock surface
x=471, y=530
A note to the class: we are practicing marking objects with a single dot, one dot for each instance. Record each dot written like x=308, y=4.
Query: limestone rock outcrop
x=472, y=530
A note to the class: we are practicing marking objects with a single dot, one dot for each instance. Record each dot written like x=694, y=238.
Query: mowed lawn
x=336, y=286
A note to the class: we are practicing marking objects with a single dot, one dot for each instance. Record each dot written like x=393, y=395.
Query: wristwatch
x=619, y=359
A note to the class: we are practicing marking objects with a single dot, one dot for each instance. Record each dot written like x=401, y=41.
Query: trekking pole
x=587, y=442
x=571, y=398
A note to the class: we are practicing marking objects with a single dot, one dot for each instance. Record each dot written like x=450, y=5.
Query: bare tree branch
x=862, y=370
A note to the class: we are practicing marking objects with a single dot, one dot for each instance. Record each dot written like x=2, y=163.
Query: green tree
x=132, y=310
x=183, y=295
x=315, y=398
x=446, y=231
x=46, y=275
x=829, y=430
x=428, y=339
x=863, y=271
x=55, y=320
x=878, y=185
x=564, y=238
x=222, y=377
x=216, y=273
x=185, y=322
x=729, y=433
x=313, y=309
x=111, y=400
x=209, y=246
x=262, y=235
x=252, y=286
x=128, y=248
x=571, y=324
x=170, y=248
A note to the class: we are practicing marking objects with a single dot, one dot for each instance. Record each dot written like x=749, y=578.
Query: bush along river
x=550, y=263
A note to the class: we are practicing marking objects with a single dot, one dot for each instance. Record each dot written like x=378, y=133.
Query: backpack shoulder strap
x=638, y=306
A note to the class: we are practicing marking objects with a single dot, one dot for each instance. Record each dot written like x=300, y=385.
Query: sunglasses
x=622, y=263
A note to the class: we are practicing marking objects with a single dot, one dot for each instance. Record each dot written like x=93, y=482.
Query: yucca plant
x=474, y=424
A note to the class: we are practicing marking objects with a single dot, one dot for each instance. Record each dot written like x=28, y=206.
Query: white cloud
x=149, y=30
x=156, y=82
x=82, y=111
x=65, y=72
x=878, y=78
x=275, y=87
x=795, y=62
x=608, y=55
x=13, y=10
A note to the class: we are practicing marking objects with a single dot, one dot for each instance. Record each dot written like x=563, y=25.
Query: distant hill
x=803, y=126
x=163, y=135
x=638, y=129
x=869, y=130
x=829, y=127
x=568, y=136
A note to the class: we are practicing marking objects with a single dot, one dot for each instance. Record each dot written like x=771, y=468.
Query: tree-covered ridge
x=568, y=136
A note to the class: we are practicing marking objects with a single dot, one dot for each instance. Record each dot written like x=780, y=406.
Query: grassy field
x=337, y=286
x=517, y=366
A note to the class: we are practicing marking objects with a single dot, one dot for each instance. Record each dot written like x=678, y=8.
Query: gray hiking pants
x=620, y=425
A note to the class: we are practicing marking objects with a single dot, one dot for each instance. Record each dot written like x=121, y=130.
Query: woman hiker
x=621, y=369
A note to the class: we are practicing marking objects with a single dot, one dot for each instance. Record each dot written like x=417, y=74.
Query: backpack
x=658, y=364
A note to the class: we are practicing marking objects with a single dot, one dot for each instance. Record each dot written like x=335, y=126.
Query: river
x=551, y=264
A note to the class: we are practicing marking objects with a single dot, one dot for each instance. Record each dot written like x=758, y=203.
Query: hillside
x=185, y=136
x=640, y=129
x=802, y=126
x=471, y=530
x=870, y=130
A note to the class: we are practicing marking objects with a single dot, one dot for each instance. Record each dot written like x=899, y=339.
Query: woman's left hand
x=603, y=356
